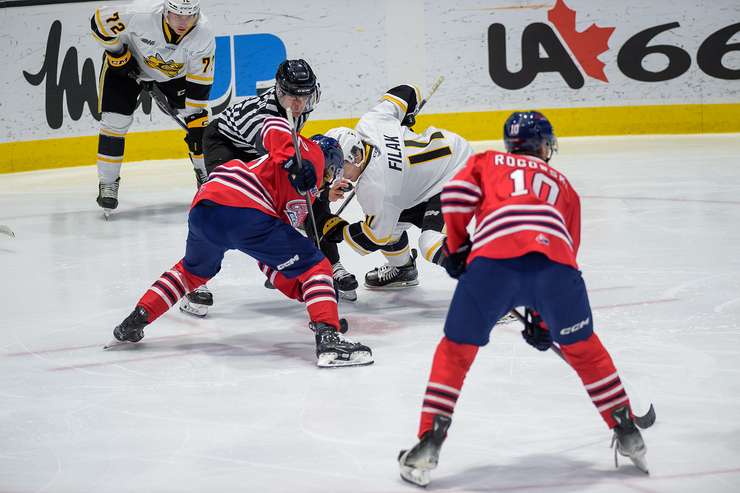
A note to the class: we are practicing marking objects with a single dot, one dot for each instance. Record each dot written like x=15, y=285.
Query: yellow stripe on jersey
x=397, y=101
x=201, y=78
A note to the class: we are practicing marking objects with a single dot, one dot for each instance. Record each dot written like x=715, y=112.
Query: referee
x=234, y=134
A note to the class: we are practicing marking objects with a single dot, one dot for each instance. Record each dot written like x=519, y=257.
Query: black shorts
x=120, y=94
x=427, y=215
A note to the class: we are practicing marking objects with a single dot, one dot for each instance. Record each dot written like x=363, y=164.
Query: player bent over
x=169, y=45
x=399, y=181
x=254, y=207
x=522, y=253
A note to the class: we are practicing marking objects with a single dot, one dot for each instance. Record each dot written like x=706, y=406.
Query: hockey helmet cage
x=526, y=131
x=333, y=157
x=352, y=147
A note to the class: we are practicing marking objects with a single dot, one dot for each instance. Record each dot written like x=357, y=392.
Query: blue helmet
x=526, y=131
x=333, y=156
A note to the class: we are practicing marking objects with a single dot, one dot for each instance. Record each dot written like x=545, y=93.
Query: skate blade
x=348, y=295
x=641, y=463
x=393, y=286
x=115, y=343
x=193, y=309
x=330, y=360
x=107, y=213
x=6, y=231
x=413, y=475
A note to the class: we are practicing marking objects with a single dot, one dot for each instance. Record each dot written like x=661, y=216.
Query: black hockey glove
x=456, y=262
x=197, y=124
x=535, y=332
x=303, y=178
x=332, y=228
x=122, y=64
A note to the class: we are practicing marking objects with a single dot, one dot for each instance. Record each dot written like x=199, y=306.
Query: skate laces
x=109, y=190
x=387, y=272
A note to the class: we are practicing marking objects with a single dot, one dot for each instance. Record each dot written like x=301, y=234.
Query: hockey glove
x=122, y=64
x=455, y=262
x=197, y=124
x=332, y=228
x=409, y=120
x=303, y=178
x=535, y=331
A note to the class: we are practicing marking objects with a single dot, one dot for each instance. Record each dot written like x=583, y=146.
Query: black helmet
x=296, y=78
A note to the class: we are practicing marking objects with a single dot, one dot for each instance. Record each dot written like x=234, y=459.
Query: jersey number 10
x=538, y=179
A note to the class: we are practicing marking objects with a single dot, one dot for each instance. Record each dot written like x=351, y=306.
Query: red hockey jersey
x=521, y=205
x=262, y=184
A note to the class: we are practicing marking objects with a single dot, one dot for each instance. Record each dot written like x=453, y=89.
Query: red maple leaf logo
x=587, y=45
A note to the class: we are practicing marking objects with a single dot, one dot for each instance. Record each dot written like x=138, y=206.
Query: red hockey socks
x=593, y=364
x=168, y=289
x=315, y=288
x=449, y=368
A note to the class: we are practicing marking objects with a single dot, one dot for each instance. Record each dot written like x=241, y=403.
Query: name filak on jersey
x=393, y=151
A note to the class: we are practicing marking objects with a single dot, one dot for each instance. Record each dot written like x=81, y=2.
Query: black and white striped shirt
x=241, y=123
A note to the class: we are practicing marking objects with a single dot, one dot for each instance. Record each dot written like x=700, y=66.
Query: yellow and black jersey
x=404, y=168
x=161, y=54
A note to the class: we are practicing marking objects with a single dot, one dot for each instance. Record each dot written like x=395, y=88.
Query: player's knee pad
x=115, y=124
x=430, y=244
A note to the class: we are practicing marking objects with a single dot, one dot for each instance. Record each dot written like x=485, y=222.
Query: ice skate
x=344, y=282
x=415, y=464
x=268, y=284
x=627, y=440
x=196, y=302
x=131, y=329
x=333, y=351
x=108, y=197
x=392, y=277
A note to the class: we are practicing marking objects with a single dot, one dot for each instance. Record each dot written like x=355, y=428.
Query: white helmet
x=182, y=7
x=352, y=147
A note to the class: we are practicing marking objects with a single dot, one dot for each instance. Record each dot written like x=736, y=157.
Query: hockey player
x=402, y=174
x=254, y=207
x=522, y=253
x=168, y=44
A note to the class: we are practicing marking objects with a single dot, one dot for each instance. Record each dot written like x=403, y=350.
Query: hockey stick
x=423, y=103
x=645, y=421
x=161, y=100
x=6, y=230
x=297, y=147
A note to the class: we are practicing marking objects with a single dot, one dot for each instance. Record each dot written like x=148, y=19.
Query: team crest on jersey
x=169, y=68
x=542, y=240
x=296, y=211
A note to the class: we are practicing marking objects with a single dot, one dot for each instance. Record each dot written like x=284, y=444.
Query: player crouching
x=255, y=207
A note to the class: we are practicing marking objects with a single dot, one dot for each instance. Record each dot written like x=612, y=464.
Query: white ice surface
x=234, y=402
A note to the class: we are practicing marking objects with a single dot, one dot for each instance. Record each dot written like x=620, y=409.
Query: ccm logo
x=575, y=328
x=290, y=262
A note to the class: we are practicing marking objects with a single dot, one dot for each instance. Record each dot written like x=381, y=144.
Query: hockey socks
x=168, y=289
x=449, y=368
x=315, y=288
x=594, y=366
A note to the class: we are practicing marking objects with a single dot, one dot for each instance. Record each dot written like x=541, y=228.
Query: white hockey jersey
x=405, y=168
x=160, y=54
